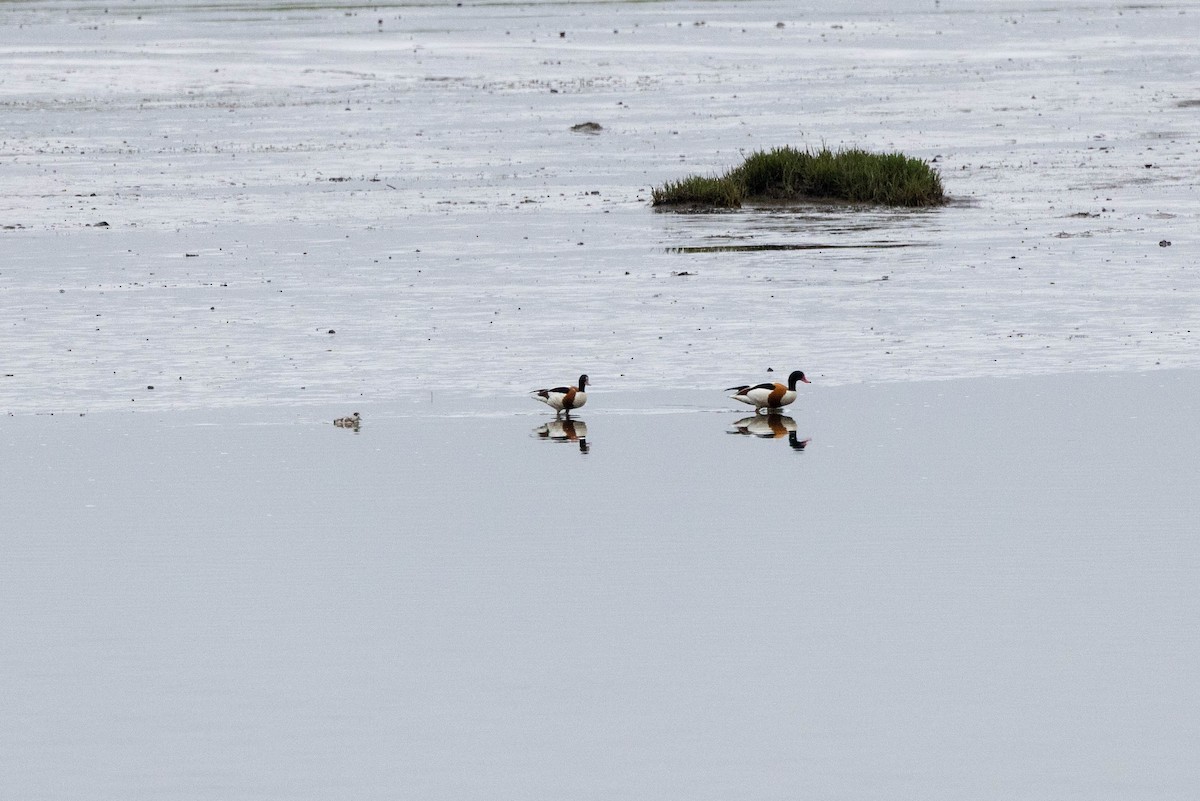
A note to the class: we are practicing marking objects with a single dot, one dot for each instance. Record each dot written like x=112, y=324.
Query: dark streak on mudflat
x=786, y=246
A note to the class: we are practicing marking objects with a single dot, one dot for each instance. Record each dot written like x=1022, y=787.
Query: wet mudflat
x=976, y=587
x=409, y=178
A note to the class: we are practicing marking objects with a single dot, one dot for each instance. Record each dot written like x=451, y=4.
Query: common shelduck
x=563, y=399
x=770, y=426
x=353, y=421
x=769, y=396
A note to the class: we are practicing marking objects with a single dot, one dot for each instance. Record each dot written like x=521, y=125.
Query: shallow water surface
x=972, y=588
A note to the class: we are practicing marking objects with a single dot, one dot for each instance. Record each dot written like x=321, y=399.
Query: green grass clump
x=787, y=174
x=717, y=193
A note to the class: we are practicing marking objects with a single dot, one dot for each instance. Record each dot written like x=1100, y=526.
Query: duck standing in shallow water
x=564, y=399
x=769, y=396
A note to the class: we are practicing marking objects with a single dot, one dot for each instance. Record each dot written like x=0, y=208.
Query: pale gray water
x=967, y=589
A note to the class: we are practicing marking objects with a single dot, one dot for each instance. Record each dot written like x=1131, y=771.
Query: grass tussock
x=787, y=174
x=698, y=190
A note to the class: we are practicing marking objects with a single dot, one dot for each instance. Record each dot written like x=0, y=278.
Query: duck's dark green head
x=797, y=375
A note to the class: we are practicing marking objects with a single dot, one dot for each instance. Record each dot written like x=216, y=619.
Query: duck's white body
x=770, y=396
x=564, y=399
x=766, y=396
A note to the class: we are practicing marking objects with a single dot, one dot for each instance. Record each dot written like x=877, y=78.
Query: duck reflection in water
x=565, y=430
x=770, y=426
x=353, y=422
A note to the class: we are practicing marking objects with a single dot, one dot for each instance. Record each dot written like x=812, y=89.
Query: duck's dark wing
x=545, y=393
x=743, y=390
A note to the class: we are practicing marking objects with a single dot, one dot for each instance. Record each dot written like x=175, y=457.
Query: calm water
x=956, y=589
